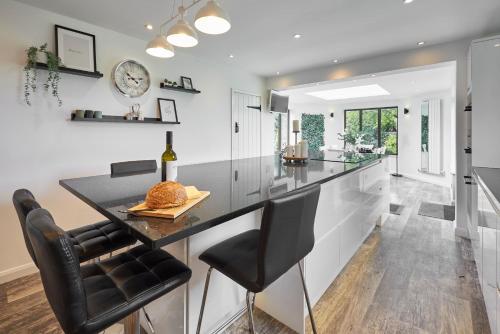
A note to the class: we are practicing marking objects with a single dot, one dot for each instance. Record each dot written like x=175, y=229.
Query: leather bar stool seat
x=95, y=240
x=236, y=257
x=90, y=241
x=89, y=298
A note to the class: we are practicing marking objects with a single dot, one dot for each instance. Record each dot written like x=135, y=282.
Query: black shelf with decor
x=62, y=69
x=179, y=89
x=120, y=119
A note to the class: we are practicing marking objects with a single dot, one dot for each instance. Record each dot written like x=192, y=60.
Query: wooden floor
x=410, y=276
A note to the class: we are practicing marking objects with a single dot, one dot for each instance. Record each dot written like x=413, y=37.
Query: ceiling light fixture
x=407, y=1
x=297, y=36
x=160, y=47
x=231, y=56
x=350, y=92
x=212, y=19
x=278, y=73
x=182, y=34
x=421, y=43
x=373, y=75
x=335, y=61
x=497, y=45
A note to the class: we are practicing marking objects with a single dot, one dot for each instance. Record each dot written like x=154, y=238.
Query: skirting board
x=17, y=272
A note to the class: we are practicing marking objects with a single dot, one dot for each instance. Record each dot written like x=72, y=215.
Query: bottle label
x=169, y=171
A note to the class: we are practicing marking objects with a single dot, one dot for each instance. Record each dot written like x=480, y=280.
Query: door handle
x=236, y=127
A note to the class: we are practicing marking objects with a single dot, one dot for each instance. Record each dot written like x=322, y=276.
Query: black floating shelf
x=179, y=89
x=120, y=119
x=73, y=71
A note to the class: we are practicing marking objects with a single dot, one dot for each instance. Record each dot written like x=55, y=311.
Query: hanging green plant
x=30, y=73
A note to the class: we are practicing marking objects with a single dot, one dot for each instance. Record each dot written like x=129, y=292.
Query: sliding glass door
x=379, y=127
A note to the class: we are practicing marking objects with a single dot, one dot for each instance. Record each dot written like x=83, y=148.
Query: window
x=280, y=131
x=379, y=126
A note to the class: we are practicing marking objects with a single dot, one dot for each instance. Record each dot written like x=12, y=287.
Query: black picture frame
x=57, y=29
x=163, y=117
x=187, y=80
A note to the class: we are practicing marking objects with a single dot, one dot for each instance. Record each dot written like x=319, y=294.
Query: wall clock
x=131, y=78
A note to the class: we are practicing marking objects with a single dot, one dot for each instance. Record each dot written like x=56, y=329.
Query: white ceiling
x=399, y=85
x=262, y=31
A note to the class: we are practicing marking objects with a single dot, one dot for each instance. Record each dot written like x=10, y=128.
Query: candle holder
x=296, y=133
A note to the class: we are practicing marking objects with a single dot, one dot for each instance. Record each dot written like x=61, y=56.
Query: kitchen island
x=354, y=197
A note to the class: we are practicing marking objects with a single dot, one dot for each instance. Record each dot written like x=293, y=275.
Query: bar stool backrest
x=286, y=233
x=133, y=167
x=25, y=202
x=59, y=270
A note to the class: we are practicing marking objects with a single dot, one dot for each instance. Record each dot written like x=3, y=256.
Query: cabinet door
x=485, y=99
x=488, y=223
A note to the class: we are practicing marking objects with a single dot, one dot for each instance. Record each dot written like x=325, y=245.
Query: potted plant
x=30, y=72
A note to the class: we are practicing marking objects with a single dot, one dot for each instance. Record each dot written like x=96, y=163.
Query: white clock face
x=131, y=78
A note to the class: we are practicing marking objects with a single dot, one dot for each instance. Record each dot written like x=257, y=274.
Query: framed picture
x=76, y=49
x=187, y=83
x=168, y=110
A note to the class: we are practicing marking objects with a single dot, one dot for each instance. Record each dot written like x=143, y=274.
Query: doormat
x=436, y=210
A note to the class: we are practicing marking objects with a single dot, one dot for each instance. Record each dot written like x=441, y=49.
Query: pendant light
x=182, y=34
x=212, y=19
x=160, y=47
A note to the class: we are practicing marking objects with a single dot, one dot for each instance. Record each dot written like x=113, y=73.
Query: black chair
x=92, y=297
x=133, y=167
x=90, y=241
x=255, y=259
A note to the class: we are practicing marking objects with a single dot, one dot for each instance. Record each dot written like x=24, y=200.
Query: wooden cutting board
x=170, y=213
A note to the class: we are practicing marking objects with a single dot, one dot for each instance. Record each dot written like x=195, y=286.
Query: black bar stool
x=90, y=241
x=92, y=297
x=256, y=258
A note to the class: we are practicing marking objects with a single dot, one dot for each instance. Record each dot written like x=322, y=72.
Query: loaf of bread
x=166, y=195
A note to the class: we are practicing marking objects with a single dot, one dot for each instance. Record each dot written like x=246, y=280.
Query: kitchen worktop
x=237, y=187
x=489, y=180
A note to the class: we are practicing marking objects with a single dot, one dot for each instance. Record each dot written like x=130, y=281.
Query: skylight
x=350, y=92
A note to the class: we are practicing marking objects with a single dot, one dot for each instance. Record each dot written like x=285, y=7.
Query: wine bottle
x=169, y=161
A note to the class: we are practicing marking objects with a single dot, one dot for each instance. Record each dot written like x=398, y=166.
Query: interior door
x=245, y=125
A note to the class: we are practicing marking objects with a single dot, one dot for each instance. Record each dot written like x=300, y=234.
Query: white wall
x=433, y=54
x=39, y=146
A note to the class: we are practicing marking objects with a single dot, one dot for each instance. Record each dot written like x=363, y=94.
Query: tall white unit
x=485, y=88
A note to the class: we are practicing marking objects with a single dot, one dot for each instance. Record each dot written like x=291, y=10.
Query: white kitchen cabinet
x=485, y=75
x=486, y=253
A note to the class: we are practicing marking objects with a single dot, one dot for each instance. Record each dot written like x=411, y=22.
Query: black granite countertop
x=489, y=180
x=237, y=187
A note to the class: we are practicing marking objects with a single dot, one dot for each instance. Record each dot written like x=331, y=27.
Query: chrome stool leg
x=207, y=282
x=313, y=324
x=250, y=312
x=148, y=320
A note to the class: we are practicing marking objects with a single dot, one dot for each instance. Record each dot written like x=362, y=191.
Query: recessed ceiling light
x=335, y=61
x=350, y=92
x=297, y=36
x=407, y=1
x=231, y=56
x=373, y=75
x=148, y=26
x=497, y=45
x=278, y=73
x=421, y=43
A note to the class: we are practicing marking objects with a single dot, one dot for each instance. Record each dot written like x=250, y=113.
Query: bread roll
x=166, y=195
